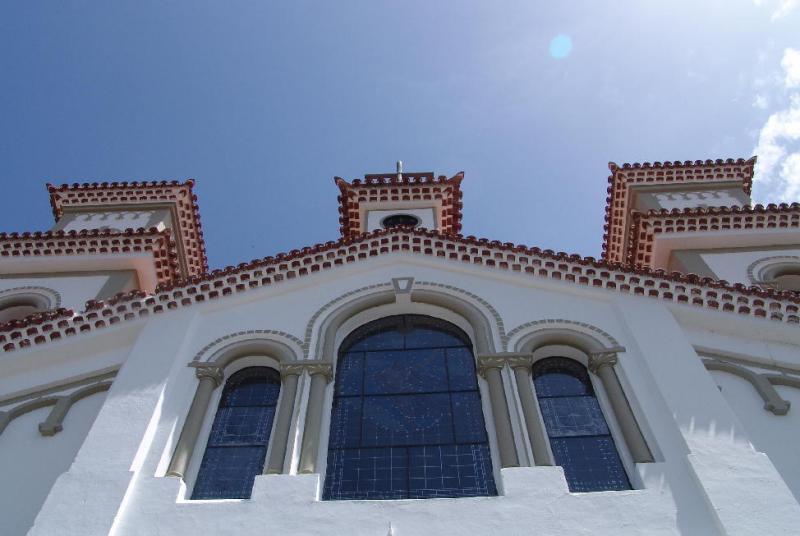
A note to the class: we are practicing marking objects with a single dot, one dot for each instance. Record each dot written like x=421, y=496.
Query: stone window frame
x=490, y=414
x=43, y=298
x=405, y=297
x=212, y=367
x=598, y=352
x=762, y=271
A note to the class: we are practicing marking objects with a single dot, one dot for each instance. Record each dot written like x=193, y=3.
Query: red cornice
x=132, y=193
x=646, y=226
x=388, y=187
x=527, y=262
x=96, y=242
x=618, y=209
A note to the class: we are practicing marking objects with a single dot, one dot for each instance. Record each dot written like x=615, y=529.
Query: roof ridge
x=613, y=166
x=117, y=184
x=673, y=287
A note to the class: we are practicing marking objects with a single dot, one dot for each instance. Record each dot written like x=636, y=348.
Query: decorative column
x=521, y=365
x=602, y=364
x=321, y=373
x=280, y=436
x=210, y=378
x=489, y=367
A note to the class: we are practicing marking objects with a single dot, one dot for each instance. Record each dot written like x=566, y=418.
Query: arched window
x=237, y=444
x=407, y=420
x=16, y=304
x=579, y=435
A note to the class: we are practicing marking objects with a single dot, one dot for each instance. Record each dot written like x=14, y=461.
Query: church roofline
x=399, y=187
x=656, y=174
x=136, y=193
x=159, y=243
x=584, y=271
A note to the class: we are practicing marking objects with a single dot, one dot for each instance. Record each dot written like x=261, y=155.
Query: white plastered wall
x=691, y=489
x=114, y=220
x=76, y=288
x=31, y=462
x=732, y=265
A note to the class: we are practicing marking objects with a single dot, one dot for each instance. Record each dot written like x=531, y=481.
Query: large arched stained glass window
x=407, y=419
x=237, y=444
x=579, y=435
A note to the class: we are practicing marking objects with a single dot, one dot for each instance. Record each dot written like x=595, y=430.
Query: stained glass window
x=237, y=444
x=579, y=435
x=407, y=420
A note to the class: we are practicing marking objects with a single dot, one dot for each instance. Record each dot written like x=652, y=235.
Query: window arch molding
x=220, y=360
x=495, y=405
x=766, y=270
x=328, y=326
x=328, y=322
x=594, y=349
x=38, y=298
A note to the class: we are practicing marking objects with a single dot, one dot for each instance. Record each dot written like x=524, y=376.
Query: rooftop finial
x=399, y=170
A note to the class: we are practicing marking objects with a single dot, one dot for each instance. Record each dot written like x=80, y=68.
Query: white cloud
x=791, y=66
x=783, y=7
x=778, y=148
x=761, y=102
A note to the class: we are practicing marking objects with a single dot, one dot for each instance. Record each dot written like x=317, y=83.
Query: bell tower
x=384, y=200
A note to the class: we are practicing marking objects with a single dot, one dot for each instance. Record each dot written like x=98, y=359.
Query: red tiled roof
x=527, y=262
x=646, y=226
x=618, y=208
x=131, y=193
x=95, y=241
x=388, y=187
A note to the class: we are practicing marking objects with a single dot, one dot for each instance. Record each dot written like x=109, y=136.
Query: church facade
x=405, y=379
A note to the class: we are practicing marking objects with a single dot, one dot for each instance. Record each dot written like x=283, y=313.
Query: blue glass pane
x=461, y=369
x=399, y=400
x=367, y=474
x=416, y=371
x=407, y=420
x=345, y=423
x=386, y=340
x=450, y=471
x=573, y=416
x=430, y=338
x=349, y=374
x=558, y=376
x=590, y=463
x=228, y=472
x=468, y=417
x=242, y=426
x=253, y=390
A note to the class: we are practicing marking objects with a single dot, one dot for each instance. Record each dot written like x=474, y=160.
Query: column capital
x=514, y=360
x=520, y=361
x=211, y=372
x=488, y=362
x=599, y=360
x=323, y=369
x=291, y=369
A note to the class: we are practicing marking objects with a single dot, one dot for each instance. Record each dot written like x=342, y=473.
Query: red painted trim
x=133, y=193
x=673, y=287
x=646, y=227
x=622, y=178
x=93, y=242
x=387, y=188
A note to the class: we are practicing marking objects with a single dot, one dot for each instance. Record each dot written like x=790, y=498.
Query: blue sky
x=264, y=103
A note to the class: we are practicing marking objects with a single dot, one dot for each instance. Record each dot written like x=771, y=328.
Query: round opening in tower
x=397, y=220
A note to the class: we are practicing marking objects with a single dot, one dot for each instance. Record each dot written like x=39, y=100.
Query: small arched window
x=18, y=305
x=407, y=420
x=237, y=444
x=579, y=434
x=398, y=220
